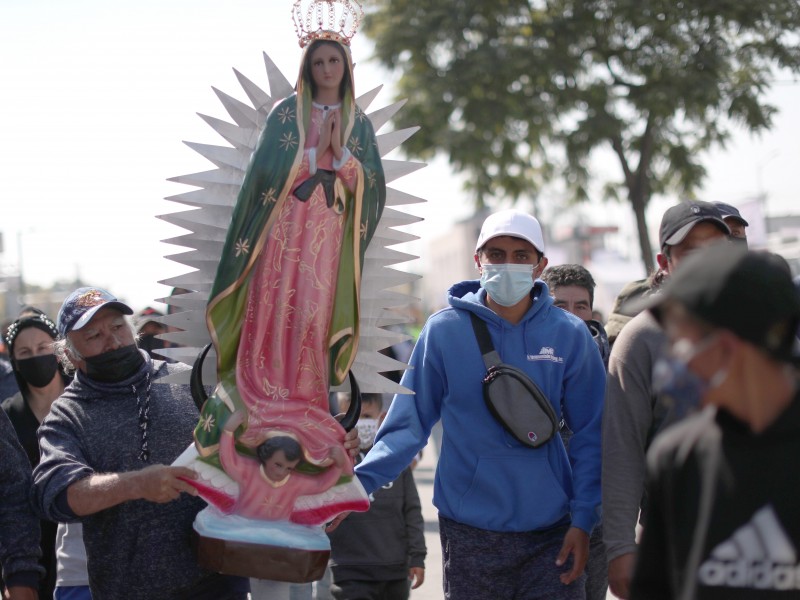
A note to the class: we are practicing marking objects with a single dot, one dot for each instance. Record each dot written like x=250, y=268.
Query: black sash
x=327, y=178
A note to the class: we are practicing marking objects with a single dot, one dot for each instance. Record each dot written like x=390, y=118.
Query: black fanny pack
x=512, y=397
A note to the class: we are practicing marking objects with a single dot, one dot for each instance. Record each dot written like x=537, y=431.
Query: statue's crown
x=326, y=20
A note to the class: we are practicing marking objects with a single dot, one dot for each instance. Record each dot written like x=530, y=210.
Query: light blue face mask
x=507, y=284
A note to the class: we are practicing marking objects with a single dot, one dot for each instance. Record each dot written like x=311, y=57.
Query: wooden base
x=275, y=563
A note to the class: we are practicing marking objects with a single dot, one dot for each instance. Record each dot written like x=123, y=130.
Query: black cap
x=678, y=221
x=728, y=211
x=748, y=293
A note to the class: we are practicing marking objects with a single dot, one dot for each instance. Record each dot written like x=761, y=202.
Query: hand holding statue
x=161, y=483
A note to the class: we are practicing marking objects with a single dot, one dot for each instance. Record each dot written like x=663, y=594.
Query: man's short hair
x=576, y=275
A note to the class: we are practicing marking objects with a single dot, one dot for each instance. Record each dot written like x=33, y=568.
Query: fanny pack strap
x=490, y=356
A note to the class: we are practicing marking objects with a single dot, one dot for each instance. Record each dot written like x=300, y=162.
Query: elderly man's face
x=107, y=331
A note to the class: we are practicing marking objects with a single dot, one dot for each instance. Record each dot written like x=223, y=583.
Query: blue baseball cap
x=82, y=304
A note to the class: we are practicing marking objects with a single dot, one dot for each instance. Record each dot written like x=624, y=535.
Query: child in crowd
x=379, y=553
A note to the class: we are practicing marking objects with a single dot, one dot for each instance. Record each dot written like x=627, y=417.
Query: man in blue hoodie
x=514, y=520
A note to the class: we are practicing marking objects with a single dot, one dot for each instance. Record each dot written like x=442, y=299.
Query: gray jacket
x=633, y=415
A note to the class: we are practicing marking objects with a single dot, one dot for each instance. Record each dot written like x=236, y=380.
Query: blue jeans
x=72, y=592
x=479, y=564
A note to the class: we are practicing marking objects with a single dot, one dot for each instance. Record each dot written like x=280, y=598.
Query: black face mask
x=39, y=370
x=115, y=365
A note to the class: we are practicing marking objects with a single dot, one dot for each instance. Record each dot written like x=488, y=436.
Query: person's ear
x=663, y=261
x=540, y=268
x=477, y=260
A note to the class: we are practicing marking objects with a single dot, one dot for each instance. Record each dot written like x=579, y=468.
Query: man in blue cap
x=105, y=447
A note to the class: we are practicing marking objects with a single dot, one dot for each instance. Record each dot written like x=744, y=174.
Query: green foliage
x=517, y=92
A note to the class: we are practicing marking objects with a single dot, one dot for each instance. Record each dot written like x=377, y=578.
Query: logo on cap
x=89, y=299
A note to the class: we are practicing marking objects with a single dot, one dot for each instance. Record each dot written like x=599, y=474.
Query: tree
x=520, y=92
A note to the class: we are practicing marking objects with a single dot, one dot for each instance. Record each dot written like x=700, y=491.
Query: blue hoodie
x=485, y=478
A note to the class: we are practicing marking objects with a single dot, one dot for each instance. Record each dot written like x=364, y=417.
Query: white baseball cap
x=514, y=223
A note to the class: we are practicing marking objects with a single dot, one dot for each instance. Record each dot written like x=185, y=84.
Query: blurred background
x=558, y=113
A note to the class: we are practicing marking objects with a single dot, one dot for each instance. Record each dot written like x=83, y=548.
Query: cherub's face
x=277, y=466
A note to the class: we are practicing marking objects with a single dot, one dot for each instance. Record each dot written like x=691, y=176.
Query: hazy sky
x=97, y=97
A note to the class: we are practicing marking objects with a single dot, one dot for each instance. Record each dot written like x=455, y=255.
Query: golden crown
x=336, y=20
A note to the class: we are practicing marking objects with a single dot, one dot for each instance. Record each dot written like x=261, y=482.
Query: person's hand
x=236, y=419
x=576, y=542
x=352, y=443
x=160, y=483
x=336, y=134
x=325, y=133
x=18, y=592
x=337, y=521
x=339, y=457
x=620, y=572
x=417, y=577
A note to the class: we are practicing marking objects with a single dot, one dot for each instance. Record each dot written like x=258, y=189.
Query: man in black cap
x=634, y=412
x=734, y=220
x=722, y=518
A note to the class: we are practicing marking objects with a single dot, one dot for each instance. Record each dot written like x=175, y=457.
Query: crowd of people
x=681, y=426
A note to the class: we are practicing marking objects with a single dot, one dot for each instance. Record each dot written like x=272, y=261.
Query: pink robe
x=283, y=372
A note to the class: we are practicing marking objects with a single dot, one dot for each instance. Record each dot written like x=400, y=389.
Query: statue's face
x=327, y=68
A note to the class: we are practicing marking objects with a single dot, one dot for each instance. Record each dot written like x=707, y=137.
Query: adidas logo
x=759, y=555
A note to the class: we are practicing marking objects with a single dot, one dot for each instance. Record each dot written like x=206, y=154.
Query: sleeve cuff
x=29, y=579
x=338, y=164
x=63, y=507
x=585, y=520
x=312, y=161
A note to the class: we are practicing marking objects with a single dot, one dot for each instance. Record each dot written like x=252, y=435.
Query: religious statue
x=283, y=312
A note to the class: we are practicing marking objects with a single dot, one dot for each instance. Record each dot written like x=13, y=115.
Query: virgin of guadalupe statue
x=283, y=312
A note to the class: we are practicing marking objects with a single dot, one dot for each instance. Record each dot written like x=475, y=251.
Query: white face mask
x=367, y=428
x=508, y=283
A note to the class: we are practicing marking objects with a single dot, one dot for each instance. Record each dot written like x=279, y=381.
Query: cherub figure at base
x=263, y=490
